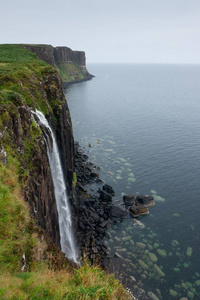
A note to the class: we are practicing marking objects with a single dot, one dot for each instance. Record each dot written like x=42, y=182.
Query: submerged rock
x=173, y=293
x=162, y=252
x=189, y=251
x=152, y=296
x=153, y=257
x=159, y=271
x=139, y=224
x=140, y=245
x=142, y=264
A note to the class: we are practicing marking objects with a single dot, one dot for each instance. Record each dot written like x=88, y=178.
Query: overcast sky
x=138, y=31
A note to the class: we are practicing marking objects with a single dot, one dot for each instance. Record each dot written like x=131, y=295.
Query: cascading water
x=64, y=213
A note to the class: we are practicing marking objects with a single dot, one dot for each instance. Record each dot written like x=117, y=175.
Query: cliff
x=28, y=83
x=29, y=227
x=71, y=65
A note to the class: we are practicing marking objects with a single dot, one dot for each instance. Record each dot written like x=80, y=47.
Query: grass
x=23, y=77
x=15, y=222
x=86, y=282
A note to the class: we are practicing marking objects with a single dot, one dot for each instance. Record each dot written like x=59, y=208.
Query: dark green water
x=143, y=122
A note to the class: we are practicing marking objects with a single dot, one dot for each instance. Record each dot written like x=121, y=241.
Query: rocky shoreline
x=96, y=213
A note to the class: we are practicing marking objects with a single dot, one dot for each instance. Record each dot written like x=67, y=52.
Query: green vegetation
x=70, y=72
x=24, y=78
x=83, y=283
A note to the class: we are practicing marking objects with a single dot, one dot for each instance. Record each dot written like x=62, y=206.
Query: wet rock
x=117, y=214
x=126, y=238
x=152, y=296
x=104, y=224
x=139, y=224
x=140, y=245
x=129, y=200
x=145, y=200
x=162, y=252
x=189, y=251
x=137, y=211
x=94, y=174
x=105, y=196
x=108, y=189
x=142, y=264
x=173, y=293
x=159, y=271
x=153, y=257
x=81, y=187
x=118, y=255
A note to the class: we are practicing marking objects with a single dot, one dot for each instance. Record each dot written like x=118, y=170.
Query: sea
x=142, y=122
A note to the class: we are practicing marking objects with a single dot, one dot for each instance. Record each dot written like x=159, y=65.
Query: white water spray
x=64, y=213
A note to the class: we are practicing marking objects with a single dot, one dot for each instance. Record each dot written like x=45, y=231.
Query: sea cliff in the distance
x=71, y=65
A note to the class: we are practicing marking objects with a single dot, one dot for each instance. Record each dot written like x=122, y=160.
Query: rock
x=104, y=224
x=117, y=214
x=108, y=189
x=145, y=200
x=118, y=255
x=133, y=278
x=139, y=224
x=159, y=271
x=137, y=211
x=81, y=187
x=175, y=243
x=142, y=264
x=162, y=252
x=197, y=282
x=173, y=293
x=126, y=238
x=189, y=251
x=153, y=257
x=94, y=174
x=129, y=200
x=190, y=295
x=105, y=196
x=152, y=296
x=140, y=245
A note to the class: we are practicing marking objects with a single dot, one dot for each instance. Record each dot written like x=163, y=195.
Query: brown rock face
x=26, y=142
x=59, y=54
x=43, y=52
x=65, y=54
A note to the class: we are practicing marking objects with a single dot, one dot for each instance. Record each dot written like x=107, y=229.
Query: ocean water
x=143, y=122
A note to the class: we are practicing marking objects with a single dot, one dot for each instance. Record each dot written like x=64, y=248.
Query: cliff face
x=70, y=64
x=26, y=84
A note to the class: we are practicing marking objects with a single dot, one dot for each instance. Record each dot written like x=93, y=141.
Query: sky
x=110, y=31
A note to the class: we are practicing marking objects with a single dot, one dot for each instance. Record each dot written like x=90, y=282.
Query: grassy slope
x=52, y=278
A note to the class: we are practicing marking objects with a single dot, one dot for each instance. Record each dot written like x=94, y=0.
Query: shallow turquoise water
x=143, y=124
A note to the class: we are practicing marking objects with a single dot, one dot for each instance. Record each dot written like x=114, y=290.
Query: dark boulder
x=108, y=189
x=104, y=196
x=129, y=200
x=117, y=214
x=145, y=200
x=137, y=211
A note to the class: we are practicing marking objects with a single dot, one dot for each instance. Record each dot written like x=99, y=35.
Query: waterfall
x=63, y=208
